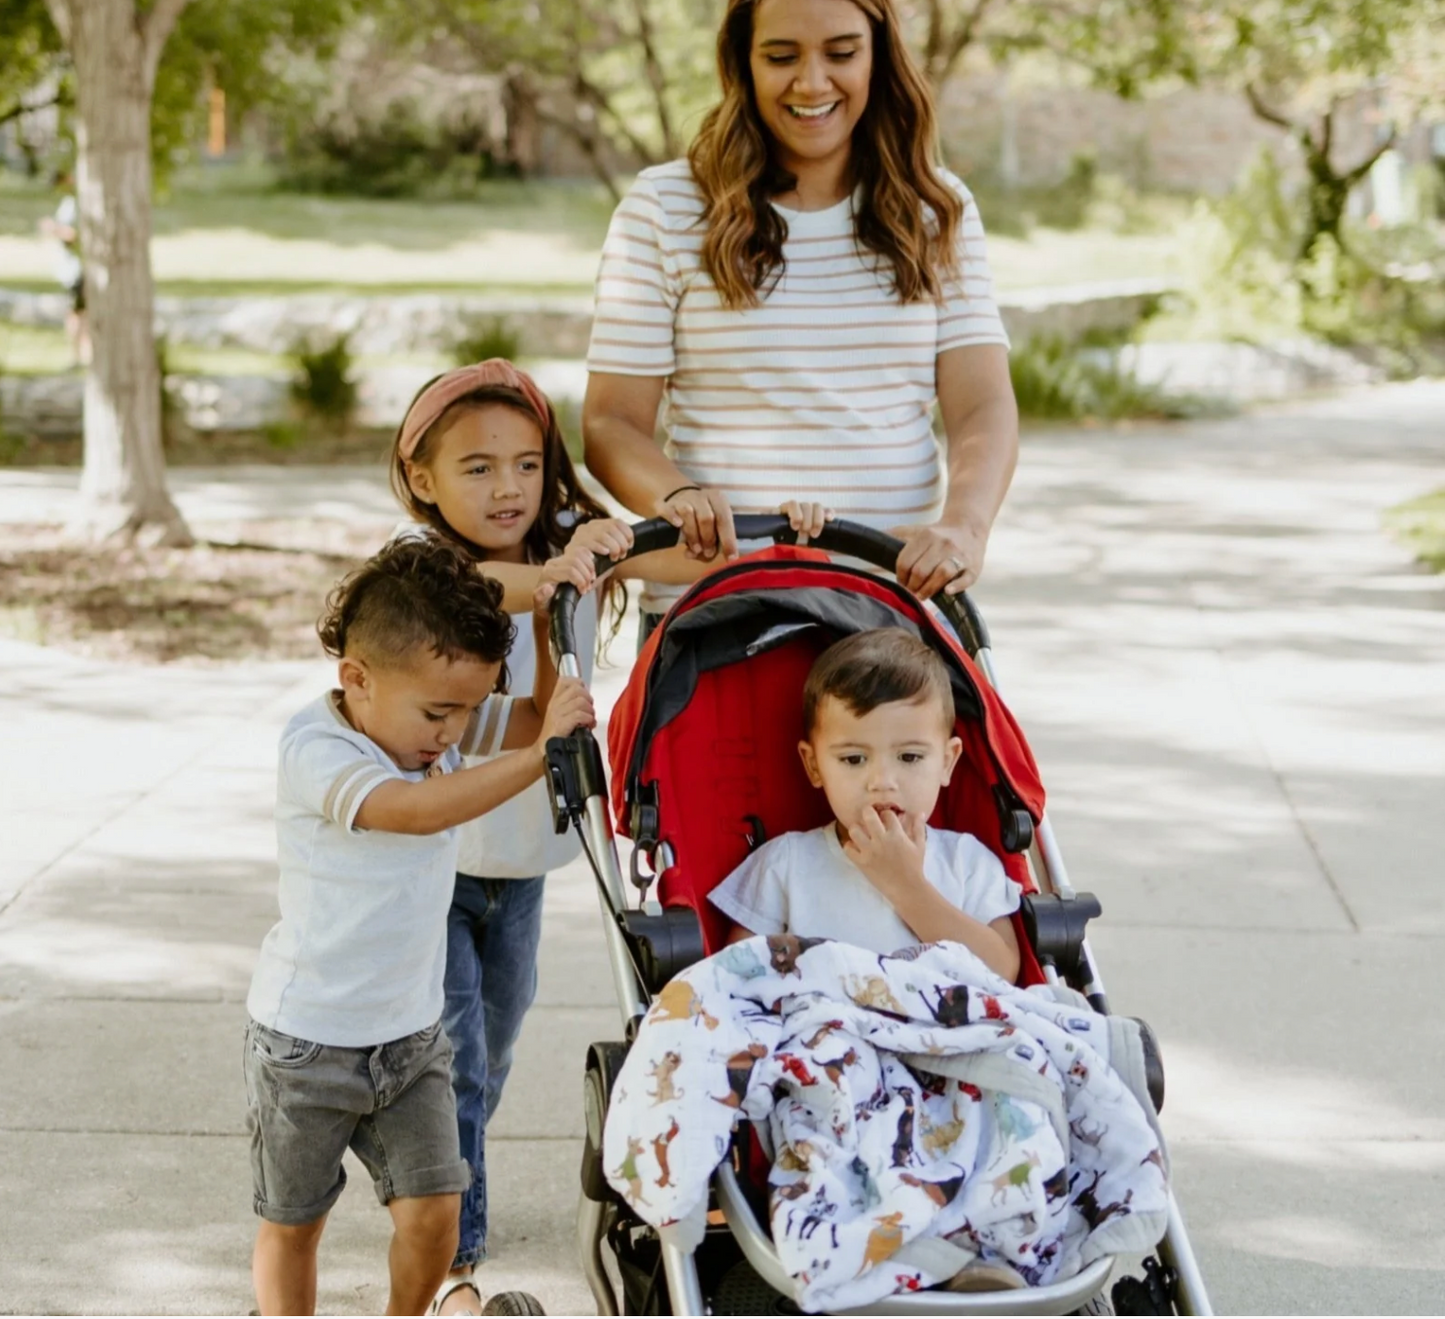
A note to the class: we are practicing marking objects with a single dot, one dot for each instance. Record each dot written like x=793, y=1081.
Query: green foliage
x=234, y=45
x=1060, y=380
x=231, y=44
x=31, y=54
x=485, y=338
x=638, y=75
x=1420, y=524
x=396, y=154
x=282, y=435
x=324, y=385
x=1246, y=279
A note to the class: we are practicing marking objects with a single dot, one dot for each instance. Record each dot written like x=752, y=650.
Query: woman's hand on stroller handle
x=939, y=557
x=836, y=536
x=704, y=520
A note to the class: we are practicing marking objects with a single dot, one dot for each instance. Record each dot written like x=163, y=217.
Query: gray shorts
x=308, y=1103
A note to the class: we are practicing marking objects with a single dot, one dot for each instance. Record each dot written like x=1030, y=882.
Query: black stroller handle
x=837, y=537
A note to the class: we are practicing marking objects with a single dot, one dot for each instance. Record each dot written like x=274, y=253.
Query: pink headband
x=445, y=390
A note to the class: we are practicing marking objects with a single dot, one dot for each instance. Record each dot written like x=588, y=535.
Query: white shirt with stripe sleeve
x=823, y=391
x=360, y=951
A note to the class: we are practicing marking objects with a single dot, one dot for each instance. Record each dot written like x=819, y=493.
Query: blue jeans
x=493, y=930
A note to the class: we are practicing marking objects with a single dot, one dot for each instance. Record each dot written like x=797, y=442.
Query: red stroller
x=704, y=770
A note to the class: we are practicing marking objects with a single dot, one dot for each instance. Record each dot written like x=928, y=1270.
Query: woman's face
x=485, y=477
x=811, y=62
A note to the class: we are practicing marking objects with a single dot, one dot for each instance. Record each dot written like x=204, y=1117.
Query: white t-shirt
x=359, y=953
x=516, y=840
x=803, y=883
x=824, y=390
x=67, y=257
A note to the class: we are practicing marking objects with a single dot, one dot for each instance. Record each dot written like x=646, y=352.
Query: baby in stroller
x=878, y=739
x=918, y=1111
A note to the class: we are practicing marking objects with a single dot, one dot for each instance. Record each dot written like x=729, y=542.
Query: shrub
x=396, y=153
x=1245, y=278
x=1055, y=379
x=324, y=385
x=481, y=339
x=1420, y=523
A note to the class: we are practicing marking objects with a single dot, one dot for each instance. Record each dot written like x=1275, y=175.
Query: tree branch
x=656, y=77
x=20, y=108
x=1365, y=166
x=588, y=144
x=964, y=37
x=156, y=26
x=60, y=16
x=1263, y=111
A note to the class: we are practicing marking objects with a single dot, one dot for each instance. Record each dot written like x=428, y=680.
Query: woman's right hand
x=705, y=519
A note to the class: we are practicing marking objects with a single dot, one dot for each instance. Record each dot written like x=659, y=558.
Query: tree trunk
x=123, y=482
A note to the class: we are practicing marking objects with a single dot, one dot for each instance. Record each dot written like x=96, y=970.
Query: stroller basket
x=767, y=615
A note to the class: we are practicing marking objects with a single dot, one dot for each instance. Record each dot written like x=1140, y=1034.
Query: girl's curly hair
x=418, y=592
x=562, y=491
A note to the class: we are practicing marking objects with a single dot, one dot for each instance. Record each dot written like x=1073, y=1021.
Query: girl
x=804, y=286
x=480, y=459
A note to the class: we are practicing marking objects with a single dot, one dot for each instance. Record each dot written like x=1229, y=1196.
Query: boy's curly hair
x=418, y=592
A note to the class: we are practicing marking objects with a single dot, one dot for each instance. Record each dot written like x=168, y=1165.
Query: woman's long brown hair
x=894, y=165
x=562, y=492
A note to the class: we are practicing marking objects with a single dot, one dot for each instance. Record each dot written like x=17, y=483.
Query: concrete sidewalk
x=1232, y=682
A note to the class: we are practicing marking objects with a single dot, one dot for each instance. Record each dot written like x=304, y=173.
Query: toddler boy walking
x=345, y=1046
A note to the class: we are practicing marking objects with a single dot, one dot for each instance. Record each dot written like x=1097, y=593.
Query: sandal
x=455, y=1284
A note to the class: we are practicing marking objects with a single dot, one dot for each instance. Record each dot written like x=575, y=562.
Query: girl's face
x=484, y=475
x=811, y=62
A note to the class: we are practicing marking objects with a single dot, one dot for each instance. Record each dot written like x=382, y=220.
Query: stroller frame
x=578, y=786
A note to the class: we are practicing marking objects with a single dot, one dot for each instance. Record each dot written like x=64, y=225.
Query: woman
x=801, y=289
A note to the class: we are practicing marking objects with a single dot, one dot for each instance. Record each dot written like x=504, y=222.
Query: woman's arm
x=619, y=422
x=981, y=423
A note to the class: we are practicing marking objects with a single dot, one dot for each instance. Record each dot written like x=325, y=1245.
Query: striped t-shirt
x=823, y=391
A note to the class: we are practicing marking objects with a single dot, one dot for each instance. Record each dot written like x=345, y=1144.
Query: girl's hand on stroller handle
x=609, y=538
x=808, y=520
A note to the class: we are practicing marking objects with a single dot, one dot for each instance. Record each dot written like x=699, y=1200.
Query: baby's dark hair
x=418, y=592
x=875, y=668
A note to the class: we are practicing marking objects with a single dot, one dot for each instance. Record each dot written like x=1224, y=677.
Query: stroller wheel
x=513, y=1303
x=742, y=1291
x=604, y=1061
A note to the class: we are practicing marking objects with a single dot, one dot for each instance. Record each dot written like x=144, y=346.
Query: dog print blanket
x=919, y=1112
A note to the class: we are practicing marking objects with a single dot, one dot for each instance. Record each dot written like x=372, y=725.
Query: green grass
x=534, y=239
x=1420, y=524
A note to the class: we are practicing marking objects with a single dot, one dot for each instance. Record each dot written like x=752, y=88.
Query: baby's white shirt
x=803, y=883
